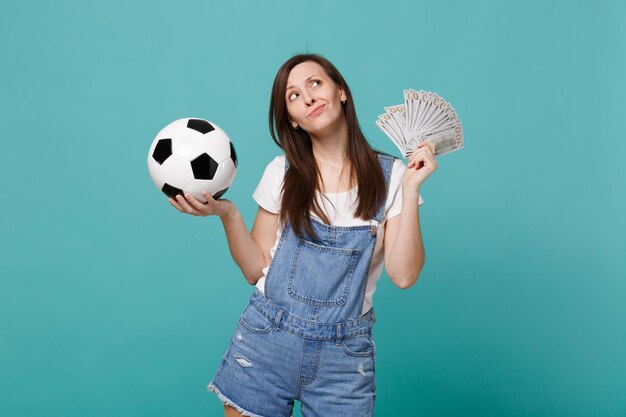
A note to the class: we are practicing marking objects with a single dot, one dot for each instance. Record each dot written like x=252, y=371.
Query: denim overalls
x=305, y=338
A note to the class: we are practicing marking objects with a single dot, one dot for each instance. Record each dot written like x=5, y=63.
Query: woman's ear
x=342, y=95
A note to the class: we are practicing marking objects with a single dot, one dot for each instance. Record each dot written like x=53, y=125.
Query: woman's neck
x=331, y=156
x=332, y=148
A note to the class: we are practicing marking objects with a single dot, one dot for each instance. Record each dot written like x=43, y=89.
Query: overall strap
x=386, y=163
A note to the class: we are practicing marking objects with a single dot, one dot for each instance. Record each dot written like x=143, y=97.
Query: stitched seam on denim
x=350, y=276
x=329, y=337
x=367, y=273
x=254, y=329
x=357, y=354
x=303, y=348
x=339, y=229
x=309, y=381
x=332, y=249
x=336, y=302
x=220, y=369
x=307, y=328
x=387, y=166
x=276, y=254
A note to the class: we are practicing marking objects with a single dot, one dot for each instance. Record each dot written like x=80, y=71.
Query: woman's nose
x=308, y=99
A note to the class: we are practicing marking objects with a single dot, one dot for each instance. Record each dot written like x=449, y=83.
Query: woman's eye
x=292, y=96
x=318, y=82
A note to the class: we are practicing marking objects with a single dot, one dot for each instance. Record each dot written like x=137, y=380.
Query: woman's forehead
x=304, y=70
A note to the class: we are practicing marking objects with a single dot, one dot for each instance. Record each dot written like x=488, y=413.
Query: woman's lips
x=317, y=111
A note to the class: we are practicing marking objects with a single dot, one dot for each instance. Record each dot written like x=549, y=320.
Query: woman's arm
x=251, y=251
x=404, y=248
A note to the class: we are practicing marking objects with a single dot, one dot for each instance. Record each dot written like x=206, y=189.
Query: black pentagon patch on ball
x=200, y=125
x=203, y=167
x=233, y=154
x=219, y=193
x=170, y=191
x=162, y=150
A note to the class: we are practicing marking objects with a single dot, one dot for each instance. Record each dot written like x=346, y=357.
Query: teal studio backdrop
x=112, y=303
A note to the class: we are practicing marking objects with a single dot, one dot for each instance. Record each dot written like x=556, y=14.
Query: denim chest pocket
x=321, y=275
x=254, y=321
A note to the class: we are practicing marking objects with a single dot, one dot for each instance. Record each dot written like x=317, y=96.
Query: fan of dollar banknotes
x=423, y=116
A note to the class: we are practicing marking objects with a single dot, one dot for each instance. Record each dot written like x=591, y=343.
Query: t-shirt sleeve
x=394, y=198
x=268, y=192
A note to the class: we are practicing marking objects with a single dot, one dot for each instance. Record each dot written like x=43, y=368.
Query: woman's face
x=313, y=99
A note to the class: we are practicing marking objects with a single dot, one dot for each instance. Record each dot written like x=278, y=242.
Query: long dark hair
x=301, y=179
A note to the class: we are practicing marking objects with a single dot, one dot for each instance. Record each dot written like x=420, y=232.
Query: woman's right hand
x=190, y=205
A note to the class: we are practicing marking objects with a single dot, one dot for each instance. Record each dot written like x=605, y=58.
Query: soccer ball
x=190, y=156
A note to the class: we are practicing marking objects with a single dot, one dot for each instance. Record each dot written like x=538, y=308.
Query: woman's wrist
x=230, y=212
x=411, y=195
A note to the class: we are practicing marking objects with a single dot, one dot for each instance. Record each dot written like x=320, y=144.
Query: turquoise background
x=113, y=303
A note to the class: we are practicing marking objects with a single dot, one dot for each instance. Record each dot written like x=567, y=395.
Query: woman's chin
x=323, y=127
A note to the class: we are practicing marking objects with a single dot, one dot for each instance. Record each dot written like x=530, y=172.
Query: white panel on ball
x=186, y=144
x=226, y=170
x=176, y=171
x=196, y=187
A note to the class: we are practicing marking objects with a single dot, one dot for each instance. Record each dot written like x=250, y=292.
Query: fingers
x=191, y=205
x=419, y=156
x=194, y=202
x=424, y=150
x=422, y=158
x=209, y=198
x=431, y=147
x=417, y=160
x=175, y=204
x=187, y=208
x=428, y=147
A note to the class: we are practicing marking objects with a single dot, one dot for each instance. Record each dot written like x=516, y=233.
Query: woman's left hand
x=421, y=164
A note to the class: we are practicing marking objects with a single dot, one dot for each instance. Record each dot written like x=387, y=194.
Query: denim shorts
x=275, y=358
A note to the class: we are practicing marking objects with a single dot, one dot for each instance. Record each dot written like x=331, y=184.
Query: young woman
x=331, y=209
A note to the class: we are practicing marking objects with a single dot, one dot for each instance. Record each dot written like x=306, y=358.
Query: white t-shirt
x=268, y=195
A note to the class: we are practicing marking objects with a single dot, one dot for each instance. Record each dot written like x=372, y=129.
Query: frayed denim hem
x=227, y=401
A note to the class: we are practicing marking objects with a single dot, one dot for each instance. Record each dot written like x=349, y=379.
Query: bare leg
x=231, y=412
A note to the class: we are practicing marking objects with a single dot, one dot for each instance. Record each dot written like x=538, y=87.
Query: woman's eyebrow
x=307, y=79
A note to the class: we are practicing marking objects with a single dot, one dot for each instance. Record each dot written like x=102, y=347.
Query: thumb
x=208, y=196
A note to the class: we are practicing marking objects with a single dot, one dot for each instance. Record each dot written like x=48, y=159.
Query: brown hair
x=301, y=178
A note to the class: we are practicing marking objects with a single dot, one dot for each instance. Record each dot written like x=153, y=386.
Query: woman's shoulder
x=275, y=170
x=268, y=191
x=278, y=161
x=276, y=164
